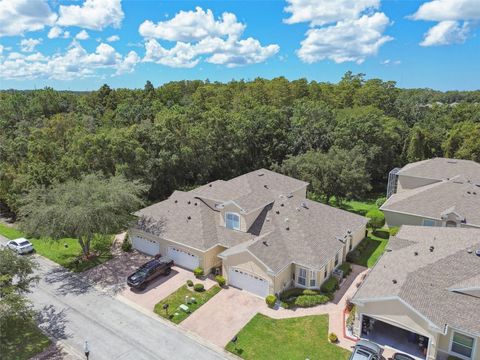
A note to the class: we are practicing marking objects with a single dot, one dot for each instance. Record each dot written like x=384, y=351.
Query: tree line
x=343, y=138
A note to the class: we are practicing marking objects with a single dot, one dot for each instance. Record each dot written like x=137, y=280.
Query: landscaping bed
x=66, y=252
x=174, y=300
x=285, y=339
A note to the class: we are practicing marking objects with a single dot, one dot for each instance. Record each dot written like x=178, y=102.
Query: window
x=313, y=279
x=350, y=245
x=302, y=277
x=232, y=221
x=325, y=274
x=462, y=345
x=429, y=222
x=336, y=259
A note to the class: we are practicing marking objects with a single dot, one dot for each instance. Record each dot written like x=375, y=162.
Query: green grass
x=177, y=298
x=22, y=341
x=360, y=207
x=66, y=256
x=369, y=250
x=264, y=338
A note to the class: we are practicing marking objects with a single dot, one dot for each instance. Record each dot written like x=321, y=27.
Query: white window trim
x=302, y=277
x=434, y=222
x=474, y=348
x=232, y=213
x=313, y=276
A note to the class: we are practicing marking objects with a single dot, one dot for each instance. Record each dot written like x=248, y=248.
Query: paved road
x=74, y=311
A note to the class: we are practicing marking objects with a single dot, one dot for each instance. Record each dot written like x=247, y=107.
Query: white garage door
x=248, y=282
x=146, y=246
x=183, y=258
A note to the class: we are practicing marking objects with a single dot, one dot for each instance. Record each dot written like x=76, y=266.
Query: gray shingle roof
x=311, y=238
x=443, y=168
x=424, y=278
x=433, y=200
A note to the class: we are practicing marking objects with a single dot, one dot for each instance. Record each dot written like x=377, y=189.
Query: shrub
x=198, y=272
x=382, y=234
x=310, y=292
x=393, y=230
x=126, y=244
x=290, y=293
x=189, y=283
x=311, y=300
x=346, y=268
x=199, y=287
x=351, y=317
x=220, y=280
x=380, y=201
x=451, y=357
x=330, y=285
x=332, y=337
x=376, y=219
x=271, y=300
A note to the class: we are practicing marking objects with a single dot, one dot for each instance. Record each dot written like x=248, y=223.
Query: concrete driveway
x=224, y=315
x=162, y=287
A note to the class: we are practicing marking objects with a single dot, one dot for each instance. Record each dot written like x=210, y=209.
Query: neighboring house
x=434, y=192
x=423, y=295
x=258, y=230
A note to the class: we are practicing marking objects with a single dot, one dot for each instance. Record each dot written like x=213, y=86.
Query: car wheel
x=143, y=286
x=167, y=272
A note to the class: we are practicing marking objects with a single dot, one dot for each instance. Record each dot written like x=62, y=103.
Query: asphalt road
x=73, y=311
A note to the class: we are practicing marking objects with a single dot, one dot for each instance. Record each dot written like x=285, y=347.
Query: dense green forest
x=342, y=137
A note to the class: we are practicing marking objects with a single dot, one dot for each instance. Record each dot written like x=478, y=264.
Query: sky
x=82, y=44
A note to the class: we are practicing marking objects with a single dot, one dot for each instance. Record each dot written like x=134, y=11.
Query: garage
x=249, y=282
x=403, y=340
x=183, y=258
x=145, y=246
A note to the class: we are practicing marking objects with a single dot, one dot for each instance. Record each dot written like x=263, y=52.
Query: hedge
x=198, y=272
x=330, y=285
x=271, y=300
x=220, y=280
x=382, y=233
x=311, y=300
x=199, y=287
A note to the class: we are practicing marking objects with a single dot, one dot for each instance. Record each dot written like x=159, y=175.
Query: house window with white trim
x=325, y=274
x=313, y=279
x=429, y=222
x=302, y=276
x=232, y=221
x=462, y=345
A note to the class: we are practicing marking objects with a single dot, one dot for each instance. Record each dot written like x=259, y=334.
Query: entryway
x=385, y=334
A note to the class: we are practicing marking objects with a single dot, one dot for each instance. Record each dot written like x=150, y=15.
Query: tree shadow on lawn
x=53, y=352
x=52, y=322
x=67, y=281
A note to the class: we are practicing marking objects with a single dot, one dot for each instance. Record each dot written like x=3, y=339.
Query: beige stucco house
x=434, y=192
x=423, y=295
x=258, y=230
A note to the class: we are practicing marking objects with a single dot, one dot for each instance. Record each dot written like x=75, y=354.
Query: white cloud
x=389, y=62
x=92, y=14
x=341, y=30
x=188, y=26
x=56, y=32
x=28, y=45
x=455, y=20
x=20, y=16
x=1, y=49
x=445, y=33
x=113, y=38
x=82, y=35
x=76, y=62
x=349, y=40
x=199, y=36
x=322, y=12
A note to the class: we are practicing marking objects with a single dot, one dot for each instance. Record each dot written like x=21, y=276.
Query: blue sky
x=80, y=45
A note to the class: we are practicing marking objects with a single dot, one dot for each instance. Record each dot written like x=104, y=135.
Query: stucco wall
x=398, y=219
x=444, y=343
x=284, y=279
x=410, y=182
x=396, y=313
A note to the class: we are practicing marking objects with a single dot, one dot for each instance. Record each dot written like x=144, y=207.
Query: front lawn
x=22, y=340
x=65, y=255
x=368, y=251
x=294, y=338
x=177, y=298
x=360, y=207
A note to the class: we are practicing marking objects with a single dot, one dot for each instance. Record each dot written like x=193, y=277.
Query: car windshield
x=141, y=272
x=402, y=357
x=361, y=355
x=23, y=243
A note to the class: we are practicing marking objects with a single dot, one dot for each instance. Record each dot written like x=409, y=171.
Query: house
x=423, y=295
x=258, y=230
x=434, y=192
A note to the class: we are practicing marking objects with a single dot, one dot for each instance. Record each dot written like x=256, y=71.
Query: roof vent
x=432, y=248
x=287, y=228
x=394, y=281
x=416, y=253
x=189, y=217
x=286, y=220
x=298, y=209
x=290, y=195
x=277, y=212
x=469, y=250
x=189, y=202
x=265, y=186
x=261, y=174
x=265, y=243
x=209, y=185
x=176, y=201
x=477, y=252
x=281, y=204
x=304, y=205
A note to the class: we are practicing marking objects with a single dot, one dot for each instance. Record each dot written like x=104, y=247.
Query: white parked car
x=21, y=246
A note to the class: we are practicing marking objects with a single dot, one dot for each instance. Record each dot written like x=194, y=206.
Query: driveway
x=162, y=287
x=221, y=318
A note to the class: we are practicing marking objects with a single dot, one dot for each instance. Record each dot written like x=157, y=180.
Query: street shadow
x=67, y=282
x=53, y=322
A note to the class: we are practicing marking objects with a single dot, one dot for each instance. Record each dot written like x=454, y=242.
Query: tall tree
x=81, y=209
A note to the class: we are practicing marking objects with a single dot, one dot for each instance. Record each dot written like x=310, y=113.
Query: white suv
x=21, y=246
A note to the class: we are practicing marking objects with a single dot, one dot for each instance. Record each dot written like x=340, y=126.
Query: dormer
x=451, y=218
x=232, y=216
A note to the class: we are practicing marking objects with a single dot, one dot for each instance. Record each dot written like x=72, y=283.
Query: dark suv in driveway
x=148, y=272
